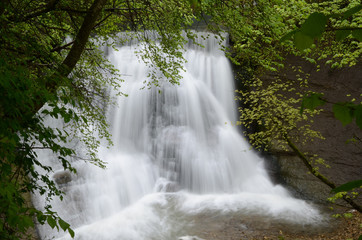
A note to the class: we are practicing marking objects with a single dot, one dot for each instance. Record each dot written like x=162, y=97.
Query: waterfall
x=177, y=160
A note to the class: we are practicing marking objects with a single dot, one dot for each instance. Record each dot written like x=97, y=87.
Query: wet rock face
x=62, y=178
x=343, y=156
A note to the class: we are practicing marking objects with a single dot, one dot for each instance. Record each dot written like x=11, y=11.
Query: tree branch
x=343, y=28
x=68, y=9
x=65, y=68
x=318, y=174
x=123, y=9
x=59, y=48
x=101, y=21
x=81, y=39
x=49, y=7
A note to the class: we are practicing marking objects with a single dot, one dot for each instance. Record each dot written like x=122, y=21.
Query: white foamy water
x=177, y=161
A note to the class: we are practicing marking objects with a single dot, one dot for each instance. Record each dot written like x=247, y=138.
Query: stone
x=343, y=158
x=62, y=177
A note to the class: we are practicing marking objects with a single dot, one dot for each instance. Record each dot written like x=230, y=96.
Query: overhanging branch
x=48, y=7
x=318, y=174
x=81, y=39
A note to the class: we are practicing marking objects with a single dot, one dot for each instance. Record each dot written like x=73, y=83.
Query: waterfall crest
x=176, y=155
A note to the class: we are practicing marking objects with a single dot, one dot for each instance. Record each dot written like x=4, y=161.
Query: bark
x=82, y=37
x=317, y=174
x=77, y=48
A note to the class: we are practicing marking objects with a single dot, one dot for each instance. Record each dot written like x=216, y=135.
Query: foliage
x=274, y=107
x=261, y=33
x=348, y=186
x=29, y=79
x=254, y=28
x=316, y=24
x=345, y=112
x=312, y=29
x=330, y=32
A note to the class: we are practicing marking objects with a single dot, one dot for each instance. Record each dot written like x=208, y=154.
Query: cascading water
x=177, y=162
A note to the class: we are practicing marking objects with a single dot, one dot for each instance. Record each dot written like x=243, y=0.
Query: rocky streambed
x=341, y=228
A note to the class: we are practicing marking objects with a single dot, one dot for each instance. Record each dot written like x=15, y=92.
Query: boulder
x=62, y=177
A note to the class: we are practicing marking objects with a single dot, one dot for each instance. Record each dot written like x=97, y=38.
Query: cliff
x=343, y=155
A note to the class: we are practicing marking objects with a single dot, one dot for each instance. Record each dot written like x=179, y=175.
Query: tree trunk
x=73, y=56
x=82, y=37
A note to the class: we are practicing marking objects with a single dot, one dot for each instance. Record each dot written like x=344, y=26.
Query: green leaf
x=64, y=225
x=27, y=222
x=288, y=36
x=343, y=113
x=51, y=221
x=348, y=186
x=352, y=11
x=357, y=33
x=66, y=118
x=45, y=111
x=194, y=3
x=302, y=41
x=84, y=119
x=315, y=25
x=358, y=115
x=71, y=232
x=312, y=101
x=342, y=34
x=333, y=15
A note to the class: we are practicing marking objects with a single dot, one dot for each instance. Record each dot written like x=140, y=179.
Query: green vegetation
x=51, y=66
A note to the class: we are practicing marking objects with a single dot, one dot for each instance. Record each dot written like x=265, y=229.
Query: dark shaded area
x=339, y=151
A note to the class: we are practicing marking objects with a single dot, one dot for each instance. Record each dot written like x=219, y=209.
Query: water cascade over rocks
x=178, y=166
